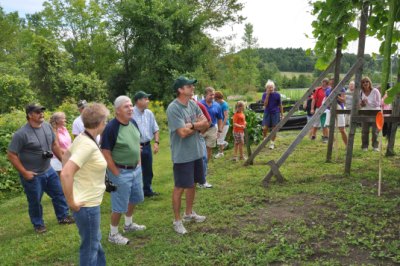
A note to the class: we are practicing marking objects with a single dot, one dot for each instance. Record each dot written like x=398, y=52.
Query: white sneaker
x=205, y=185
x=219, y=155
x=365, y=149
x=194, y=217
x=179, y=228
x=118, y=239
x=134, y=227
x=272, y=145
x=225, y=144
x=376, y=149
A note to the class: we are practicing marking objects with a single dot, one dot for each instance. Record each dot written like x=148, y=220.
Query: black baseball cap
x=140, y=95
x=33, y=107
x=182, y=81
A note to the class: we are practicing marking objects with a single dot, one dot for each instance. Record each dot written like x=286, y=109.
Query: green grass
x=317, y=217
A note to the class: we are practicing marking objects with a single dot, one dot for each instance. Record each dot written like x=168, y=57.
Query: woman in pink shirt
x=370, y=100
x=57, y=121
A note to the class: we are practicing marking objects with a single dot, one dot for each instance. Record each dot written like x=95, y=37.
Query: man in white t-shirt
x=77, y=125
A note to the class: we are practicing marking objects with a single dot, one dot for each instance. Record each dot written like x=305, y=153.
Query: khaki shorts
x=210, y=136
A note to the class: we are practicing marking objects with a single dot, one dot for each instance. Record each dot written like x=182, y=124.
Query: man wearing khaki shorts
x=215, y=112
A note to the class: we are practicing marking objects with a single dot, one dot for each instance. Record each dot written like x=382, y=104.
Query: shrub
x=158, y=110
x=254, y=128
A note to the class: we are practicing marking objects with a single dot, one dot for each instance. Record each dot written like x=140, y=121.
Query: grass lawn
x=317, y=217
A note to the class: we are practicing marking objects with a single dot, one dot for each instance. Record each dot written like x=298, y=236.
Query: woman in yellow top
x=82, y=179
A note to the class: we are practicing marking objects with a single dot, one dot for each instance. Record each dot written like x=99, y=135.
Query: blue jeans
x=147, y=169
x=48, y=182
x=91, y=252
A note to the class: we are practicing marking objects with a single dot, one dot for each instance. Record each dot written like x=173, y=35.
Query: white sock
x=128, y=220
x=114, y=229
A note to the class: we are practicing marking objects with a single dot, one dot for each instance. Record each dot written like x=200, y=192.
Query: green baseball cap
x=182, y=81
x=140, y=95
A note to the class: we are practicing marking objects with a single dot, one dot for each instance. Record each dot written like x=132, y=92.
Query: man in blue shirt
x=149, y=129
x=215, y=112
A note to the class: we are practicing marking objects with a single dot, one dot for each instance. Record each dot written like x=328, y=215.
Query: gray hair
x=55, y=118
x=120, y=101
x=270, y=83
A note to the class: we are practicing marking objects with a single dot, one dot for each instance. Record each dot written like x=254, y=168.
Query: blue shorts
x=271, y=120
x=129, y=189
x=186, y=174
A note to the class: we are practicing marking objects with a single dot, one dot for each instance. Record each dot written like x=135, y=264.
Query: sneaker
x=312, y=137
x=133, y=227
x=219, y=155
x=272, y=146
x=179, y=228
x=67, y=220
x=244, y=158
x=235, y=159
x=365, y=149
x=205, y=185
x=118, y=239
x=40, y=229
x=376, y=149
x=225, y=144
x=324, y=139
x=194, y=217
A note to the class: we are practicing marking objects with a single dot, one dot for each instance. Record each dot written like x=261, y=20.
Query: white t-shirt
x=78, y=128
x=89, y=180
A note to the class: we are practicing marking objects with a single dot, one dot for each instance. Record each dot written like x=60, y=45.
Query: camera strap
x=44, y=134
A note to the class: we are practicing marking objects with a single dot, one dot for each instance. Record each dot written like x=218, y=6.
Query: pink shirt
x=373, y=100
x=64, y=139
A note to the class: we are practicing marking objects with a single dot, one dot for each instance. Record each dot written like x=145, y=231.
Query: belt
x=125, y=166
x=145, y=143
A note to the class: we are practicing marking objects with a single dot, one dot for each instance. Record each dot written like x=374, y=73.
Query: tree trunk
x=386, y=65
x=356, y=98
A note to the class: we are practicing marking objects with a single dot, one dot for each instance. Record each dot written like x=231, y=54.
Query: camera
x=110, y=187
x=47, y=155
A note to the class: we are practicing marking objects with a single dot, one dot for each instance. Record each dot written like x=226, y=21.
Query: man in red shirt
x=317, y=100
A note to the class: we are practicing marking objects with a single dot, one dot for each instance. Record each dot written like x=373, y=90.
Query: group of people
x=73, y=171
x=370, y=99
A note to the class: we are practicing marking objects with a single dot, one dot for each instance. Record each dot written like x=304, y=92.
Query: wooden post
x=247, y=141
x=396, y=112
x=331, y=98
x=334, y=104
x=250, y=160
x=356, y=95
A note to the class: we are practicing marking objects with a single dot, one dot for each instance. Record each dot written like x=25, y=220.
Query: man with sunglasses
x=30, y=151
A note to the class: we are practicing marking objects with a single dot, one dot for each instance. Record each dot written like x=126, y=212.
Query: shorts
x=222, y=135
x=271, y=120
x=321, y=121
x=238, y=137
x=340, y=122
x=210, y=136
x=129, y=189
x=186, y=174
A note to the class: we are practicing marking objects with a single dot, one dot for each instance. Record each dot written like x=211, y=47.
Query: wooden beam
x=261, y=146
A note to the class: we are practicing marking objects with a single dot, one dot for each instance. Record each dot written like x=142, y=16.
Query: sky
x=276, y=23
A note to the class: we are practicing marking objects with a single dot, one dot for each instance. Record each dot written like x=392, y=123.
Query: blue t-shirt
x=273, y=103
x=214, y=110
x=224, y=107
x=328, y=91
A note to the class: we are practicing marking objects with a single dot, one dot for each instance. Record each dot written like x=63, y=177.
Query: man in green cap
x=148, y=131
x=185, y=121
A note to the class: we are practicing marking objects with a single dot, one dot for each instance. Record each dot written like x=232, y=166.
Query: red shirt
x=240, y=119
x=318, y=96
x=204, y=110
